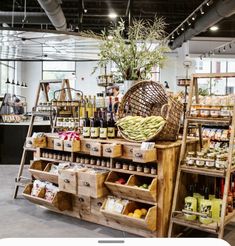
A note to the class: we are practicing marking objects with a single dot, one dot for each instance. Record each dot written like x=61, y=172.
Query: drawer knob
x=108, y=150
x=99, y=204
x=67, y=181
x=68, y=145
x=131, y=150
x=58, y=144
x=86, y=184
x=80, y=199
x=88, y=146
x=95, y=149
x=139, y=155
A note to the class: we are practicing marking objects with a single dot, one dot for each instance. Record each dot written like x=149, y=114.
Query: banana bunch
x=140, y=128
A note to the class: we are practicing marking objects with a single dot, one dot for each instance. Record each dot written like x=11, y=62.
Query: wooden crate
x=85, y=146
x=127, y=151
x=96, y=149
x=62, y=201
x=29, y=142
x=148, y=223
x=58, y=144
x=72, y=145
x=92, y=184
x=39, y=142
x=112, y=150
x=50, y=142
x=96, y=204
x=83, y=205
x=40, y=170
x=144, y=156
x=115, y=188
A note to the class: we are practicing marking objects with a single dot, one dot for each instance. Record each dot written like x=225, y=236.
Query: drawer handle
x=88, y=146
x=95, y=149
x=67, y=181
x=86, y=184
x=139, y=155
x=68, y=145
x=131, y=150
x=99, y=204
x=58, y=144
x=108, y=150
x=80, y=199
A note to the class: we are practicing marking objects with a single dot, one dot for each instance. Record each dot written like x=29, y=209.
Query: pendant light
x=18, y=83
x=8, y=81
x=13, y=82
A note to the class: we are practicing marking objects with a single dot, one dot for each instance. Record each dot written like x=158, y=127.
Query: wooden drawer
x=39, y=142
x=83, y=204
x=85, y=146
x=72, y=146
x=112, y=150
x=92, y=184
x=96, y=149
x=147, y=223
x=50, y=142
x=29, y=142
x=96, y=204
x=40, y=170
x=127, y=151
x=58, y=144
x=144, y=156
x=61, y=201
x=68, y=181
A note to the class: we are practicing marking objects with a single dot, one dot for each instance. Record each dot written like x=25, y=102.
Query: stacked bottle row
x=98, y=126
x=208, y=201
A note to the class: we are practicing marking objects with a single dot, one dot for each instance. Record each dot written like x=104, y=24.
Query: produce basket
x=147, y=98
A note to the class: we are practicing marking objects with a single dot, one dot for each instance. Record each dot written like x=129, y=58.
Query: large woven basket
x=148, y=98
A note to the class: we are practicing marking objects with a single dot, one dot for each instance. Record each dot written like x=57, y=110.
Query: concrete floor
x=20, y=218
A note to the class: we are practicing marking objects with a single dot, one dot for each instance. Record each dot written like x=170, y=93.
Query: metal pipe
x=222, y=9
x=54, y=12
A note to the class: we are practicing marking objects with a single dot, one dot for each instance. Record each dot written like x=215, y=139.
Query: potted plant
x=136, y=50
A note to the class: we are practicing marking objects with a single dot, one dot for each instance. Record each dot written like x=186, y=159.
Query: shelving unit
x=177, y=217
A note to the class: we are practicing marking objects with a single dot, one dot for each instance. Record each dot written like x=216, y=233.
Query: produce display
x=143, y=186
x=138, y=213
x=140, y=128
x=120, y=181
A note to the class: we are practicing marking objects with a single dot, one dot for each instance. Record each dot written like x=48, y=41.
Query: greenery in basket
x=135, y=55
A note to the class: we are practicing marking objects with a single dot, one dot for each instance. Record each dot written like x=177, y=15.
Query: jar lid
x=191, y=153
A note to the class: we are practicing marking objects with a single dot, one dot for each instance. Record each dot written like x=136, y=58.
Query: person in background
x=166, y=85
x=115, y=92
x=18, y=106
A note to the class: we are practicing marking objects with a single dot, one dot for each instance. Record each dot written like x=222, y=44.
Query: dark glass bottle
x=95, y=126
x=86, y=130
x=111, y=126
x=103, y=126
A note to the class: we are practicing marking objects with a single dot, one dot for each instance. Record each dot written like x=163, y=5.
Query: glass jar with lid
x=205, y=113
x=210, y=162
x=189, y=159
x=200, y=162
x=153, y=170
x=131, y=167
x=139, y=168
x=125, y=166
x=221, y=161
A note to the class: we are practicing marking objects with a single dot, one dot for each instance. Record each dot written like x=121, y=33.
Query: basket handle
x=168, y=110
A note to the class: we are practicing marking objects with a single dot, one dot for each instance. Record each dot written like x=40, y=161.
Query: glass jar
x=82, y=160
x=146, y=169
x=210, y=162
x=98, y=162
x=67, y=158
x=63, y=103
x=189, y=160
x=125, y=166
x=153, y=170
x=92, y=161
x=221, y=161
x=63, y=157
x=103, y=163
x=52, y=156
x=205, y=113
x=59, y=103
x=224, y=112
x=59, y=156
x=199, y=161
x=131, y=167
x=194, y=112
x=78, y=159
x=139, y=168
x=87, y=161
x=118, y=165
x=108, y=164
x=215, y=113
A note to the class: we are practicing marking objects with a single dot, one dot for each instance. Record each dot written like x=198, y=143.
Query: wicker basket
x=148, y=98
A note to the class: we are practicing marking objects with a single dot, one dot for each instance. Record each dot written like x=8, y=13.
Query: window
x=7, y=71
x=155, y=73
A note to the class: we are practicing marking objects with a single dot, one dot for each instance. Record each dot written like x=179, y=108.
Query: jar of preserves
x=153, y=170
x=118, y=165
x=82, y=160
x=108, y=164
x=200, y=162
x=92, y=161
x=59, y=103
x=103, y=163
x=98, y=163
x=46, y=154
x=215, y=113
x=210, y=162
x=205, y=113
x=78, y=159
x=221, y=161
x=125, y=166
x=194, y=112
x=139, y=168
x=189, y=160
x=131, y=167
x=87, y=161
x=146, y=169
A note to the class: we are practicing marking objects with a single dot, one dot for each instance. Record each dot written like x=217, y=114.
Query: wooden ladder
x=177, y=220
x=20, y=180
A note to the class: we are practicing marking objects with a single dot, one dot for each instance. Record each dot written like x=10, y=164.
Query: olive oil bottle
x=190, y=204
x=216, y=206
x=206, y=208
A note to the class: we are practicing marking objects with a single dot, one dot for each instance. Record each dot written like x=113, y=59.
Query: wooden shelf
x=134, y=172
x=30, y=149
x=213, y=75
x=210, y=121
x=42, y=113
x=136, y=200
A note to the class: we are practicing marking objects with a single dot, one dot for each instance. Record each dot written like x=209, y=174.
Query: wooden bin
x=72, y=145
x=147, y=223
x=61, y=201
x=117, y=189
x=112, y=150
x=58, y=144
x=40, y=170
x=85, y=146
x=144, y=156
x=39, y=142
x=92, y=184
x=96, y=149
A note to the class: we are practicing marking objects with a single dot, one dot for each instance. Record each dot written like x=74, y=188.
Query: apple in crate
x=120, y=181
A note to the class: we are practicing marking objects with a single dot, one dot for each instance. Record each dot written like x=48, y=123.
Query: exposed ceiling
x=93, y=14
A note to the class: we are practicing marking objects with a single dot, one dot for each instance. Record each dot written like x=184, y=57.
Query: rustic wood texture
x=58, y=144
x=112, y=150
x=144, y=156
x=96, y=149
x=72, y=145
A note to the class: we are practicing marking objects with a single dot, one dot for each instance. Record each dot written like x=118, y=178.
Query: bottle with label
x=233, y=189
x=198, y=195
x=206, y=208
x=95, y=126
x=110, y=106
x=86, y=130
x=103, y=126
x=89, y=106
x=111, y=126
x=216, y=206
x=82, y=108
x=190, y=204
x=94, y=104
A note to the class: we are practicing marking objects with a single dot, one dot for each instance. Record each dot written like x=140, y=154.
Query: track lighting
x=182, y=28
x=177, y=32
x=202, y=11
x=194, y=17
x=209, y=3
x=18, y=83
x=13, y=82
x=188, y=22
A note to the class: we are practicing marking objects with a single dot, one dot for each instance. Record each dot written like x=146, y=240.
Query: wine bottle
x=190, y=204
x=103, y=126
x=94, y=104
x=233, y=189
x=86, y=130
x=111, y=126
x=95, y=126
x=206, y=208
x=82, y=108
x=89, y=107
x=110, y=108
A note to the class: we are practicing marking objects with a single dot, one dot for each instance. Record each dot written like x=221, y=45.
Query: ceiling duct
x=54, y=13
x=222, y=9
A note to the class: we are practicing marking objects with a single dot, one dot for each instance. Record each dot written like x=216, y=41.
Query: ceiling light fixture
x=202, y=11
x=177, y=32
x=182, y=28
x=13, y=82
x=224, y=49
x=214, y=28
x=112, y=15
x=188, y=22
x=194, y=17
x=209, y=3
x=230, y=46
x=8, y=82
